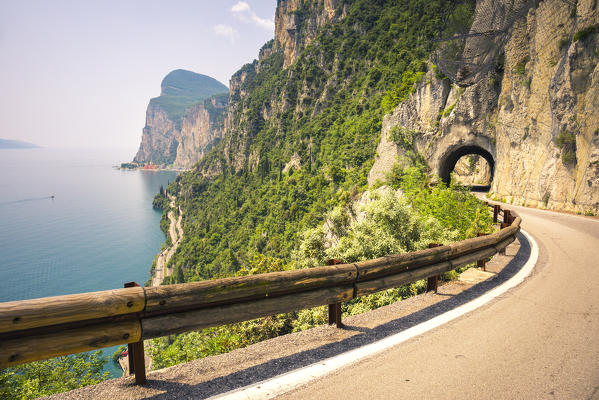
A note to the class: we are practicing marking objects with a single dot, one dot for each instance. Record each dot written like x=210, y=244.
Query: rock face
x=185, y=122
x=296, y=25
x=535, y=119
x=297, y=21
x=472, y=170
x=201, y=129
x=158, y=144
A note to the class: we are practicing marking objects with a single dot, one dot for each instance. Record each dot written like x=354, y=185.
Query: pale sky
x=79, y=74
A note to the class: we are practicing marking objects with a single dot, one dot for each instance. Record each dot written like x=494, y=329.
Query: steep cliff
x=534, y=117
x=297, y=23
x=184, y=122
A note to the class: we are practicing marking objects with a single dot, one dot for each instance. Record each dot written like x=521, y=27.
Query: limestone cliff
x=158, y=143
x=472, y=170
x=297, y=22
x=184, y=122
x=201, y=129
x=535, y=118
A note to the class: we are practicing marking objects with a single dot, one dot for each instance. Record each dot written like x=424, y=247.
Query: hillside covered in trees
x=301, y=140
x=287, y=185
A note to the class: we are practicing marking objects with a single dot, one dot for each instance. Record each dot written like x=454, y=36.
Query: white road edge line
x=293, y=379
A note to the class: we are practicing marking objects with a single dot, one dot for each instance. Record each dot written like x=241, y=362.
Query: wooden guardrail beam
x=397, y=263
x=21, y=350
x=26, y=314
x=220, y=315
x=253, y=287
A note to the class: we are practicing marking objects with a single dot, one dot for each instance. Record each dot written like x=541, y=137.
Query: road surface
x=176, y=234
x=539, y=341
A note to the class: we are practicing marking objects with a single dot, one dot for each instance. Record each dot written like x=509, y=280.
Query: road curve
x=538, y=341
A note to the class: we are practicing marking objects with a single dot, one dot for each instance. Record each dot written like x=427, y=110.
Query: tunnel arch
x=449, y=160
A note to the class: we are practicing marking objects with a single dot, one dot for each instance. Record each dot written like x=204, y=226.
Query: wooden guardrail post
x=432, y=282
x=481, y=263
x=507, y=217
x=503, y=226
x=335, y=308
x=496, y=209
x=137, y=363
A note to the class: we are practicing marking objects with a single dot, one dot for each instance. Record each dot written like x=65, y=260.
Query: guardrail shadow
x=279, y=366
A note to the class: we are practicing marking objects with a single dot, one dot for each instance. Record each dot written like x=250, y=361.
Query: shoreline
x=171, y=169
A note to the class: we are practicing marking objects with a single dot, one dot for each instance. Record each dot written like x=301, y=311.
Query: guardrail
x=48, y=327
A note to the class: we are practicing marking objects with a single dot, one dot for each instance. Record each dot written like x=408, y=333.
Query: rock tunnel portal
x=449, y=161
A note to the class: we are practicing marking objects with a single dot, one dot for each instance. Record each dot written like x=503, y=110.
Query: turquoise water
x=98, y=231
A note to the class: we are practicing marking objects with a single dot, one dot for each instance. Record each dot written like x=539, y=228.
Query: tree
x=43, y=378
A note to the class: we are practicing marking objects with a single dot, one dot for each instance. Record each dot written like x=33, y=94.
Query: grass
x=520, y=68
x=585, y=32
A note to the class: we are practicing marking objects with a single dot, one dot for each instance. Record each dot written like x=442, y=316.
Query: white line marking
x=291, y=380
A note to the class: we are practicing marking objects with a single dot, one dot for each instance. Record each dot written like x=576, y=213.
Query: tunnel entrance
x=470, y=158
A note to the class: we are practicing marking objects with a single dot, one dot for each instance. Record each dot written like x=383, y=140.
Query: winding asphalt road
x=538, y=341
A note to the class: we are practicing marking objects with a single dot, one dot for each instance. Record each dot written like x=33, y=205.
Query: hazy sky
x=80, y=73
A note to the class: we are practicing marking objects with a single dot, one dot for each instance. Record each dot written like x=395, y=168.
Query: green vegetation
x=43, y=378
x=387, y=223
x=183, y=89
x=566, y=141
x=244, y=215
x=129, y=165
x=563, y=42
x=403, y=137
x=586, y=32
x=161, y=201
x=255, y=208
x=520, y=68
x=454, y=207
x=446, y=112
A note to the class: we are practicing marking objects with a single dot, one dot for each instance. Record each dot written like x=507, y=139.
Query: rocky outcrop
x=185, y=122
x=201, y=129
x=181, y=146
x=158, y=143
x=297, y=22
x=535, y=118
x=472, y=170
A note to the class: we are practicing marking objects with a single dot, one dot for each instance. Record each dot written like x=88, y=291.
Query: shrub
x=403, y=137
x=563, y=42
x=585, y=32
x=546, y=198
x=43, y=378
x=520, y=68
x=566, y=141
x=568, y=157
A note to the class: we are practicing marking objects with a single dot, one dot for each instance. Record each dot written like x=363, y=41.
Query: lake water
x=98, y=232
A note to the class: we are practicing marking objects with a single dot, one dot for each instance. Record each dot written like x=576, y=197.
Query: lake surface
x=98, y=232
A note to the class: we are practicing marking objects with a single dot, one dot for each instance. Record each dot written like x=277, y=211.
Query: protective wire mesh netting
x=474, y=38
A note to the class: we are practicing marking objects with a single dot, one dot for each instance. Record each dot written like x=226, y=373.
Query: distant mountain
x=185, y=121
x=16, y=144
x=181, y=89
